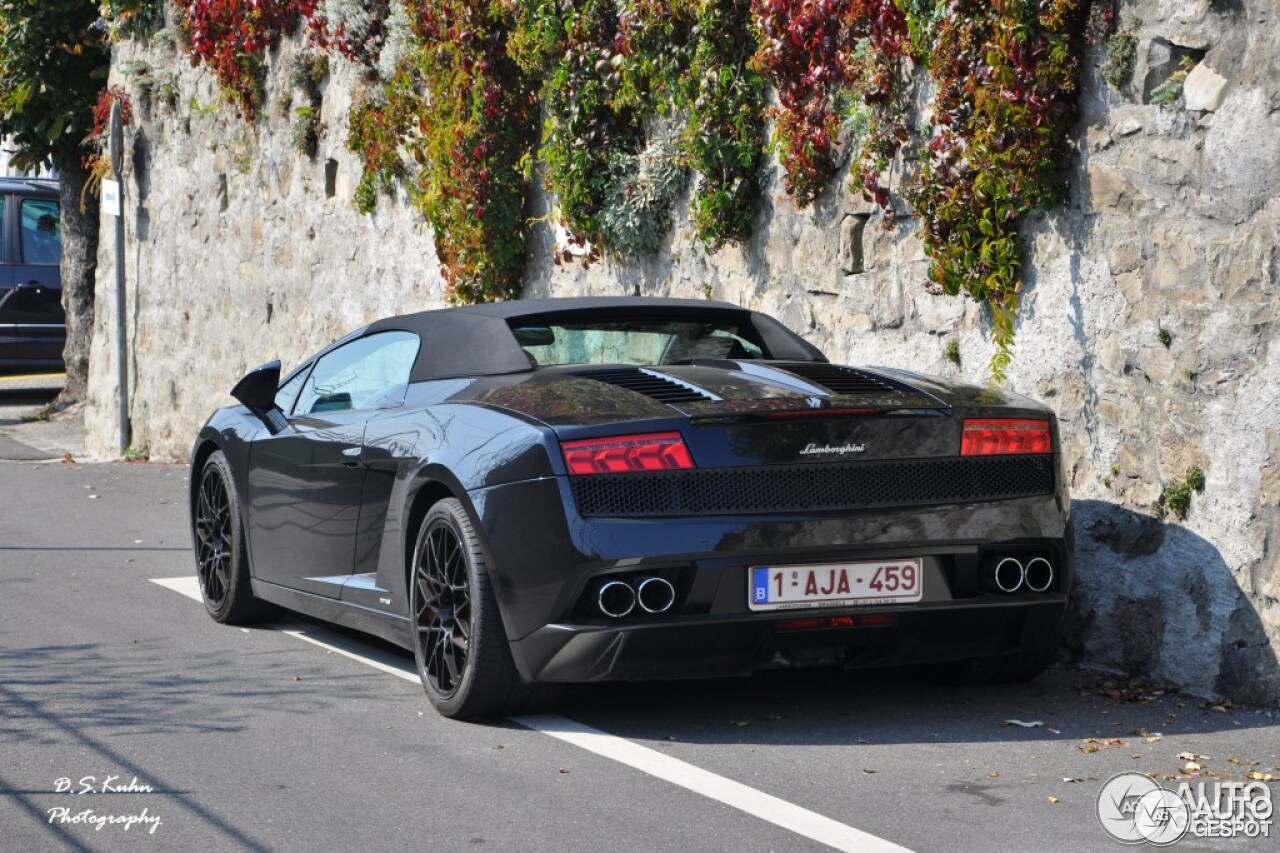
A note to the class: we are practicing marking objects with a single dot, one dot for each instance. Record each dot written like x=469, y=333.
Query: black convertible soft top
x=477, y=340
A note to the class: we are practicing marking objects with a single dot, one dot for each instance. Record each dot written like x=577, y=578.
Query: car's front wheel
x=222, y=559
x=459, y=643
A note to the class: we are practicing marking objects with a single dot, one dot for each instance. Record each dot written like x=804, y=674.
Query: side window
x=41, y=232
x=366, y=373
x=288, y=392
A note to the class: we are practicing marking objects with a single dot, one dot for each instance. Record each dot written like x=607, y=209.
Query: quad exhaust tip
x=652, y=595
x=1009, y=575
x=1038, y=574
x=655, y=595
x=616, y=599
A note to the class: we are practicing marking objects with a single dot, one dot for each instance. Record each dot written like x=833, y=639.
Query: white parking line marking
x=746, y=799
x=755, y=803
x=190, y=587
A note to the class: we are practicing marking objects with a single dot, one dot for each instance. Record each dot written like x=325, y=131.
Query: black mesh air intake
x=854, y=485
x=841, y=380
x=659, y=388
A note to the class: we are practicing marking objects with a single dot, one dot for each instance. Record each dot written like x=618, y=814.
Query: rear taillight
x=998, y=436
x=620, y=454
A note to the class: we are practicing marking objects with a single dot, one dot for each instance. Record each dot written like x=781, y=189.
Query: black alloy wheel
x=443, y=614
x=222, y=560
x=459, y=643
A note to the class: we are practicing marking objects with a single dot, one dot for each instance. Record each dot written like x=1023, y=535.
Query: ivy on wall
x=636, y=96
x=1006, y=76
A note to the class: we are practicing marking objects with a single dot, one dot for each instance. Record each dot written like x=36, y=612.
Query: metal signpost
x=112, y=205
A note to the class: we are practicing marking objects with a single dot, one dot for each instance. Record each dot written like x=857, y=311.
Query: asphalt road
x=256, y=739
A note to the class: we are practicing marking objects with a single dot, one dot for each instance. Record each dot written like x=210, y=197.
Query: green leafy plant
x=475, y=141
x=952, y=351
x=1122, y=51
x=724, y=137
x=1005, y=72
x=305, y=135
x=1175, y=498
x=642, y=190
x=1169, y=92
x=1165, y=337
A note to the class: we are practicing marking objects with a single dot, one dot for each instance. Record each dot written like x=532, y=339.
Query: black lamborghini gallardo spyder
x=532, y=493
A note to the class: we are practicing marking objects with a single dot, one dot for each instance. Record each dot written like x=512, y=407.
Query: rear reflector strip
x=625, y=454
x=816, y=623
x=1000, y=436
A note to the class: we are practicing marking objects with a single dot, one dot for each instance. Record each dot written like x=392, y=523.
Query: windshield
x=636, y=341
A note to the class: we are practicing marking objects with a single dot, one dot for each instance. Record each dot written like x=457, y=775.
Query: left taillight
x=999, y=436
x=621, y=454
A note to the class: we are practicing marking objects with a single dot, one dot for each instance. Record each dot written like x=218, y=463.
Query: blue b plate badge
x=835, y=584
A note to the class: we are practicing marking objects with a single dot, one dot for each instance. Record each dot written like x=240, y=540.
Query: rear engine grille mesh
x=655, y=387
x=841, y=380
x=858, y=485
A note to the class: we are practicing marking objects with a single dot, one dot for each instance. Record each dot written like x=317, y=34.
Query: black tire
x=222, y=560
x=459, y=643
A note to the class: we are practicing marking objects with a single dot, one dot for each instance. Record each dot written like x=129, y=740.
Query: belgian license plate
x=834, y=585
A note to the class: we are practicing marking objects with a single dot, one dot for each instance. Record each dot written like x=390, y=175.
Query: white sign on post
x=111, y=197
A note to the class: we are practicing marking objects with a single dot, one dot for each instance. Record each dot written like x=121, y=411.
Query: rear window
x=634, y=341
x=41, y=232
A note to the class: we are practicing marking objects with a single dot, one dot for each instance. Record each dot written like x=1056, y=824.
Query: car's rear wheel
x=222, y=560
x=459, y=644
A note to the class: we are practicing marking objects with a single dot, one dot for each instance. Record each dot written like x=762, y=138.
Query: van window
x=41, y=232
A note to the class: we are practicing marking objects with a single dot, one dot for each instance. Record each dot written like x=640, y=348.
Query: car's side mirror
x=258, y=388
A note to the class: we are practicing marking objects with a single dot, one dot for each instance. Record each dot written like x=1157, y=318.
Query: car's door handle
x=351, y=457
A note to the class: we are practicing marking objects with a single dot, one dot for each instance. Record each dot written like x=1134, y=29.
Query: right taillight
x=999, y=436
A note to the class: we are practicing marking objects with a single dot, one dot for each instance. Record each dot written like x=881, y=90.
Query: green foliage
x=378, y=129
x=1176, y=496
x=1005, y=72
x=724, y=137
x=310, y=68
x=305, y=135
x=952, y=351
x=585, y=129
x=475, y=137
x=53, y=63
x=130, y=18
x=642, y=190
x=1122, y=50
x=1165, y=337
x=1169, y=92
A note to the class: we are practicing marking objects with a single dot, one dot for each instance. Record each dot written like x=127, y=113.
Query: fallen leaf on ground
x=68, y=458
x=1191, y=767
x=994, y=774
x=1069, y=779
x=1186, y=756
x=867, y=770
x=1034, y=724
x=1263, y=777
x=564, y=769
x=1055, y=800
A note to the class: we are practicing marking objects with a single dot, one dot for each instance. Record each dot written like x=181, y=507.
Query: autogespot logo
x=1132, y=809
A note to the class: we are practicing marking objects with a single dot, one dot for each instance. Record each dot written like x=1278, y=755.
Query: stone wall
x=1149, y=320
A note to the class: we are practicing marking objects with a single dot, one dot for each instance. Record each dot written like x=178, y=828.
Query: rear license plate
x=834, y=585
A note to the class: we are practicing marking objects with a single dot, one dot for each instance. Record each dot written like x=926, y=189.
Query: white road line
x=190, y=587
x=755, y=803
x=744, y=798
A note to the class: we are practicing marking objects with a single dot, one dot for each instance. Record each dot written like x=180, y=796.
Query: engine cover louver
x=652, y=385
x=841, y=380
